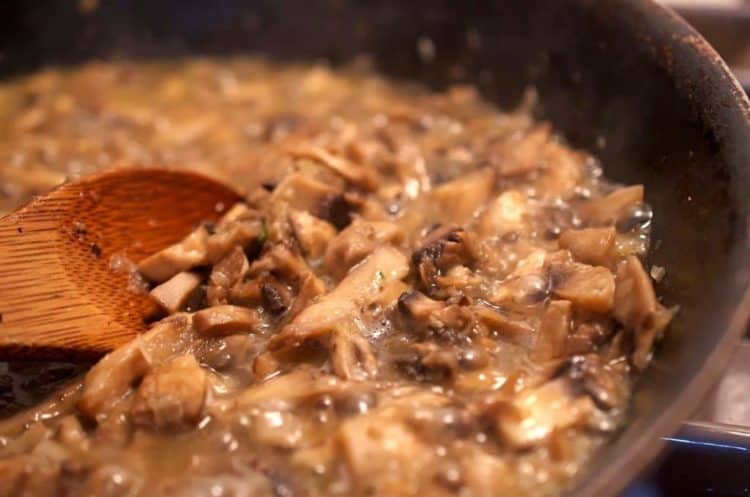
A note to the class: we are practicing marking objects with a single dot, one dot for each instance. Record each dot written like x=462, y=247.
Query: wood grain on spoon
x=59, y=296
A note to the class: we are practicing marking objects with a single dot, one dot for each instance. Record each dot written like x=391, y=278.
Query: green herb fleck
x=263, y=233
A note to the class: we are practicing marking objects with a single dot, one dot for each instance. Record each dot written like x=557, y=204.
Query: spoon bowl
x=67, y=284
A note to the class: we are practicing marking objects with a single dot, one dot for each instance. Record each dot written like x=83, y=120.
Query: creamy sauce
x=420, y=294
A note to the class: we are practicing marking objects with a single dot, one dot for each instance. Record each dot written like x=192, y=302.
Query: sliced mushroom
x=312, y=233
x=200, y=248
x=419, y=306
x=305, y=194
x=521, y=154
x=505, y=214
x=486, y=475
x=589, y=333
x=273, y=280
x=606, y=387
x=276, y=297
x=382, y=453
x=635, y=299
x=608, y=209
x=434, y=363
x=534, y=414
x=594, y=246
x=115, y=374
x=457, y=200
x=363, y=283
x=278, y=428
x=310, y=289
x=588, y=287
x=173, y=293
x=426, y=317
x=563, y=170
x=527, y=285
x=172, y=396
x=71, y=435
x=442, y=249
x=636, y=307
x=225, y=275
x=517, y=328
x=300, y=384
x=553, y=333
x=356, y=174
x=189, y=252
x=222, y=320
x=352, y=356
x=356, y=242
x=238, y=212
x=238, y=234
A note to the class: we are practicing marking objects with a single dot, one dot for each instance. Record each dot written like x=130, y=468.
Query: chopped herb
x=263, y=232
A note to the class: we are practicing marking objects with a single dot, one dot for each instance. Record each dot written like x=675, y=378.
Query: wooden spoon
x=61, y=293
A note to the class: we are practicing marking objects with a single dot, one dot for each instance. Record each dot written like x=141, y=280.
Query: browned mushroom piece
x=225, y=274
x=276, y=280
x=362, y=283
x=236, y=213
x=520, y=154
x=356, y=242
x=486, y=475
x=240, y=233
x=356, y=174
x=171, y=396
x=115, y=374
x=71, y=435
x=457, y=200
x=563, y=170
x=606, y=385
x=189, y=252
x=505, y=214
x=426, y=317
x=607, y=209
x=590, y=331
x=435, y=362
x=594, y=246
x=528, y=284
x=442, y=249
x=174, y=293
x=352, y=356
x=514, y=327
x=222, y=320
x=534, y=414
x=636, y=307
x=382, y=453
x=299, y=385
x=550, y=342
x=588, y=287
x=312, y=233
x=303, y=193
x=419, y=306
x=201, y=247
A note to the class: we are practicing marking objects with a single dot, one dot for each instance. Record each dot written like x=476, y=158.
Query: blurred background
x=726, y=24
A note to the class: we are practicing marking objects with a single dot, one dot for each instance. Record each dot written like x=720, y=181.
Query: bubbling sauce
x=419, y=294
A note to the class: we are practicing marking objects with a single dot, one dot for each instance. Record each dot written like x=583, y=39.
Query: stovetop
x=710, y=455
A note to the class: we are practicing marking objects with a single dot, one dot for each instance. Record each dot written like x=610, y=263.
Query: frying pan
x=627, y=80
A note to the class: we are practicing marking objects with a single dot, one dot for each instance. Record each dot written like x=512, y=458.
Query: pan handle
x=702, y=459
